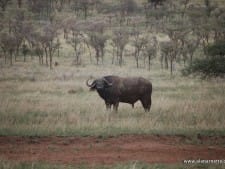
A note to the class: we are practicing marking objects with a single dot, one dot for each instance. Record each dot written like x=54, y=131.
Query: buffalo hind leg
x=146, y=103
x=115, y=106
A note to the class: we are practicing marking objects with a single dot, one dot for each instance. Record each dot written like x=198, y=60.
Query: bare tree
x=218, y=24
x=189, y=48
x=150, y=50
x=3, y=44
x=205, y=21
x=139, y=43
x=51, y=33
x=19, y=3
x=8, y=46
x=185, y=4
x=40, y=53
x=164, y=56
x=25, y=51
x=43, y=9
x=154, y=18
x=170, y=52
x=120, y=39
x=3, y=4
x=84, y=6
x=97, y=41
x=209, y=7
x=20, y=27
x=97, y=38
x=76, y=38
x=59, y=4
x=46, y=42
x=156, y=3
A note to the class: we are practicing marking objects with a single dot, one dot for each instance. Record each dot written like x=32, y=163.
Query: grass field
x=38, y=104
x=36, y=101
x=131, y=165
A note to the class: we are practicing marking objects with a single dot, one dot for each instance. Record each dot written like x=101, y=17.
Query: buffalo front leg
x=108, y=106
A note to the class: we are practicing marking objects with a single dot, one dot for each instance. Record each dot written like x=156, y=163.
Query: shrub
x=207, y=67
x=211, y=66
x=218, y=48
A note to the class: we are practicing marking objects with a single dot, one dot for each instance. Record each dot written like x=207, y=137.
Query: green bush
x=216, y=49
x=207, y=67
x=211, y=66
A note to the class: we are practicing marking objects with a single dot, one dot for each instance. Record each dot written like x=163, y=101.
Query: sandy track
x=92, y=150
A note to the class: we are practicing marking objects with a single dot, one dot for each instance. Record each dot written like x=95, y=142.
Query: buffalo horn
x=89, y=85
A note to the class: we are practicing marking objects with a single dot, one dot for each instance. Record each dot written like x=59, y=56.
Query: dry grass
x=36, y=101
x=131, y=165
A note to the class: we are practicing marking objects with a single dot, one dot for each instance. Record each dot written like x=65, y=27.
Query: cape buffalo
x=115, y=89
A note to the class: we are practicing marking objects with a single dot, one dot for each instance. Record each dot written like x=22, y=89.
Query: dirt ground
x=111, y=150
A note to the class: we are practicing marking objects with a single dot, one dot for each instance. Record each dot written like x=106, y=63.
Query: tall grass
x=36, y=101
x=131, y=165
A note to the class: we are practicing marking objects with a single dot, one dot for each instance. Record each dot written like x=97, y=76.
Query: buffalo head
x=98, y=84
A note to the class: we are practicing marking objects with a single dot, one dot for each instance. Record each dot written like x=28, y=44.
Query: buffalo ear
x=107, y=83
x=107, y=86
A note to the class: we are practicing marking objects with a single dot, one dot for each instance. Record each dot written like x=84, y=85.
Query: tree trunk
x=149, y=62
x=97, y=55
x=50, y=57
x=58, y=51
x=17, y=53
x=117, y=54
x=24, y=58
x=15, y=58
x=184, y=62
x=171, y=67
x=121, y=57
x=161, y=61
x=113, y=55
x=19, y=3
x=120, y=60
x=85, y=12
x=65, y=34
x=191, y=59
x=166, y=62
x=137, y=62
x=11, y=58
x=46, y=56
x=5, y=57
x=89, y=52
x=39, y=57
x=137, y=57
x=42, y=59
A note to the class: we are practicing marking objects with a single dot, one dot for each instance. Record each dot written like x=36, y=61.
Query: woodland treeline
x=36, y=28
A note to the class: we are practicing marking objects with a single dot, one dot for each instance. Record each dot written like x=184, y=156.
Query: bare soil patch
x=111, y=150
